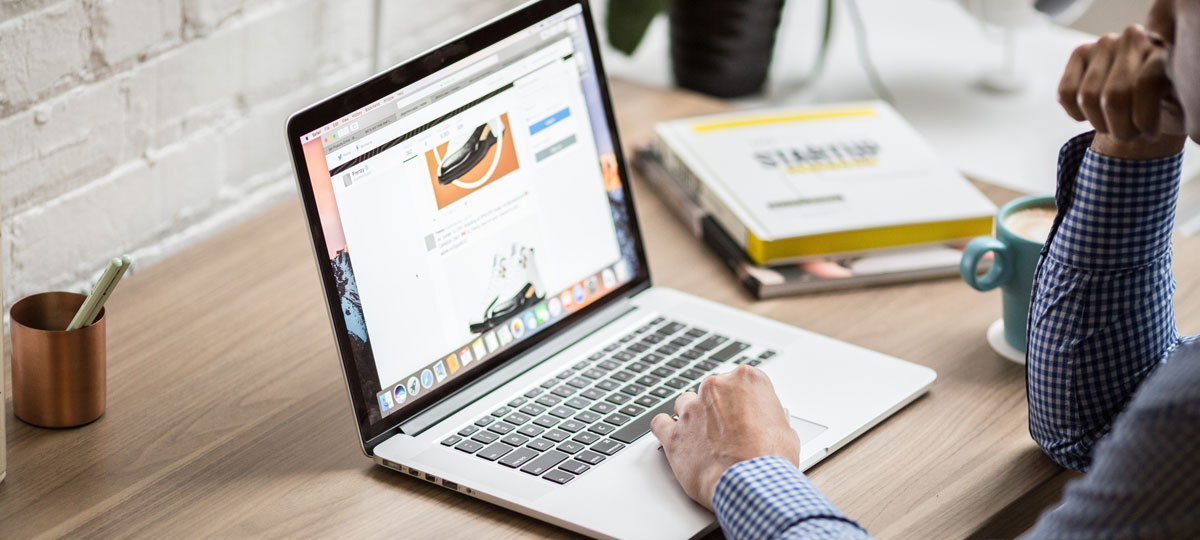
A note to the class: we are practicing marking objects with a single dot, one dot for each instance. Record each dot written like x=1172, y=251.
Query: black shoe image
x=498, y=313
x=468, y=155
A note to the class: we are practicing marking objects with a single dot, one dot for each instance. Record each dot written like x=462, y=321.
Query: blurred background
x=144, y=126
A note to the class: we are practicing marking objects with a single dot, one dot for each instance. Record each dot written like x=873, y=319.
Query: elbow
x=1070, y=452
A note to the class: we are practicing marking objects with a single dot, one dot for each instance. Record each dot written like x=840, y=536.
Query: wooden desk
x=227, y=415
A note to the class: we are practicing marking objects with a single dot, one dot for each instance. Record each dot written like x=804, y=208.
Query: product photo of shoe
x=471, y=152
x=514, y=285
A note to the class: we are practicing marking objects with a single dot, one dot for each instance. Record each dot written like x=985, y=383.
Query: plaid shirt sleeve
x=1102, y=315
x=768, y=498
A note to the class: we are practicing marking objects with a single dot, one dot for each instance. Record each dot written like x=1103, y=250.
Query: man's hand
x=735, y=417
x=1121, y=86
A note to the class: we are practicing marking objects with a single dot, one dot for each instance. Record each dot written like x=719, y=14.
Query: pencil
x=80, y=320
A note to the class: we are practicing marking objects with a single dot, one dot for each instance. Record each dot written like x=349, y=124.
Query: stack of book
x=819, y=199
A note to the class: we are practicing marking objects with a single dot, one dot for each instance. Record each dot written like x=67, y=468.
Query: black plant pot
x=723, y=47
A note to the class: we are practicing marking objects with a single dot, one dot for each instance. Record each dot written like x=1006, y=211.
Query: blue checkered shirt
x=1113, y=389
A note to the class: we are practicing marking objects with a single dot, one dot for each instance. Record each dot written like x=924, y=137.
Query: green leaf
x=628, y=20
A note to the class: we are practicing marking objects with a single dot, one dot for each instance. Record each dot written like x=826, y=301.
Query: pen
x=99, y=295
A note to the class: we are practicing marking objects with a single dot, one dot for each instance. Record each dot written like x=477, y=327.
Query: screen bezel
x=389, y=82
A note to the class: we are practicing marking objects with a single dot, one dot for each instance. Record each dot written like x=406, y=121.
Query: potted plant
x=720, y=47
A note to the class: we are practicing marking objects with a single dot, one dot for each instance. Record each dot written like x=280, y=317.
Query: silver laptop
x=474, y=228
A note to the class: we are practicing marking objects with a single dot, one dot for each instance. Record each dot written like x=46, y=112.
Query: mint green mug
x=1015, y=260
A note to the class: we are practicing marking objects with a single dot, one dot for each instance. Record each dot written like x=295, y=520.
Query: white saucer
x=995, y=337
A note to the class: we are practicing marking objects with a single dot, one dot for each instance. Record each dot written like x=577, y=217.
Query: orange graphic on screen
x=470, y=161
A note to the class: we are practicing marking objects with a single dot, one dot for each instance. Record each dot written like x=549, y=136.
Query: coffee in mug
x=1032, y=223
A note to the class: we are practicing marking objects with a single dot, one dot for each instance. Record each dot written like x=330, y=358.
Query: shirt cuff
x=764, y=497
x=1113, y=213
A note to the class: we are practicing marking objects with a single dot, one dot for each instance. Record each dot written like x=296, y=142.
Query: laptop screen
x=471, y=210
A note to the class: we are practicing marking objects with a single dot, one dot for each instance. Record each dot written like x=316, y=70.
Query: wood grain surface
x=227, y=415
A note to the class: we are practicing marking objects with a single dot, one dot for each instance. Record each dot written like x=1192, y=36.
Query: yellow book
x=802, y=183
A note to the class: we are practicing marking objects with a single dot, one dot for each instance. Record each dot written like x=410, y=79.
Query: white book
x=795, y=184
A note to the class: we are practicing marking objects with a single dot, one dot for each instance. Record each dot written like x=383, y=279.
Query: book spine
x=699, y=192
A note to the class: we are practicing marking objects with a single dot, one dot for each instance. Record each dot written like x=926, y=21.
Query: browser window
x=472, y=209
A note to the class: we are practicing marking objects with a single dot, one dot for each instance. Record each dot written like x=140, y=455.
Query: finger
x=684, y=402
x=1117, y=96
x=1092, y=84
x=1151, y=85
x=662, y=425
x=1068, y=87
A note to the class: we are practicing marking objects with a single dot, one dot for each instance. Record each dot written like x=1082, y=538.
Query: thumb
x=662, y=425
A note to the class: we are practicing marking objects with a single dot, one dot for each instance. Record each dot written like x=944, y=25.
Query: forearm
x=1102, y=315
x=768, y=498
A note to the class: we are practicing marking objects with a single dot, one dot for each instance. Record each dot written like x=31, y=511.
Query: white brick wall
x=143, y=126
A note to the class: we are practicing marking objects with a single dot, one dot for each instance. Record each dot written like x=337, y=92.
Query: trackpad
x=808, y=431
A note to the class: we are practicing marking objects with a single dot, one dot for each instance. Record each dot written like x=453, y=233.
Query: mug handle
x=1000, y=271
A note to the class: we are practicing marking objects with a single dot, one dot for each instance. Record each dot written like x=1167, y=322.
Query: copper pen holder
x=58, y=377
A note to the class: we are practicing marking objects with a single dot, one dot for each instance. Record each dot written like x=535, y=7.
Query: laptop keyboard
x=573, y=421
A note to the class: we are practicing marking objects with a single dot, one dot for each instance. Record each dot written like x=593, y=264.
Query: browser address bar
x=457, y=76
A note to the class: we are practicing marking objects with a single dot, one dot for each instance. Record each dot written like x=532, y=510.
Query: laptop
x=474, y=228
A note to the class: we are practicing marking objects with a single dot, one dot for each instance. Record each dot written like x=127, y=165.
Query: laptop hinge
x=518, y=366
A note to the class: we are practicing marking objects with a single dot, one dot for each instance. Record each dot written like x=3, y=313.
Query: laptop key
x=662, y=371
x=729, y=352
x=691, y=374
x=633, y=389
x=559, y=477
x=593, y=373
x=608, y=365
x=593, y=393
x=696, y=332
x=585, y=437
x=541, y=445
x=482, y=422
x=617, y=399
x=549, y=401
x=578, y=403
x=571, y=426
x=518, y=457
x=638, y=367
x=653, y=358
x=579, y=382
x=681, y=342
x=532, y=409
x=622, y=376
x=628, y=337
x=712, y=342
x=516, y=418
x=573, y=467
x=612, y=347
x=607, y=447
x=648, y=380
x=512, y=439
x=546, y=421
x=485, y=437
x=587, y=417
x=550, y=383
x=494, y=451
x=667, y=350
x=564, y=390
x=596, y=356
x=657, y=320
x=624, y=356
x=678, y=363
x=517, y=402
x=501, y=427
x=637, y=348
x=469, y=447
x=662, y=392
x=566, y=374
x=602, y=429
x=544, y=462
x=557, y=435
x=767, y=354
x=617, y=419
x=562, y=411
x=647, y=401
x=451, y=440
x=608, y=385
x=581, y=365
x=639, y=426
x=603, y=408
x=632, y=410
x=570, y=447
x=589, y=457
x=467, y=431
x=652, y=339
x=676, y=383
x=670, y=328
x=692, y=354
x=533, y=393
x=707, y=365
x=530, y=431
